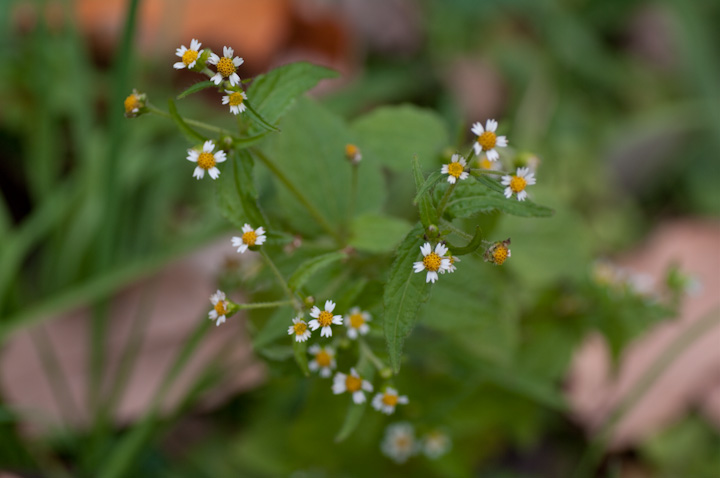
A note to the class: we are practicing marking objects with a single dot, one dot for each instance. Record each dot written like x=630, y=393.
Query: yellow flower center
x=351, y=150
x=206, y=160
x=300, y=328
x=220, y=307
x=189, y=57
x=402, y=442
x=325, y=318
x=517, y=184
x=485, y=163
x=131, y=102
x=225, y=66
x=455, y=169
x=432, y=262
x=323, y=358
x=249, y=238
x=389, y=399
x=500, y=254
x=487, y=140
x=353, y=383
x=356, y=320
x=236, y=99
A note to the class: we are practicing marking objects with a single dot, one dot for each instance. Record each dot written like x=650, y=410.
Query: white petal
x=337, y=319
x=506, y=180
x=403, y=400
x=314, y=349
x=199, y=173
x=246, y=228
x=522, y=195
x=226, y=100
x=315, y=312
x=464, y=175
x=338, y=388
x=314, y=324
x=220, y=156
x=313, y=366
x=214, y=172
x=444, y=169
x=377, y=401
x=214, y=59
x=367, y=386
x=530, y=178
x=304, y=336
x=259, y=231
x=291, y=330
x=242, y=248
x=364, y=329
x=441, y=249
x=491, y=125
x=234, y=79
x=492, y=155
x=325, y=372
x=237, y=61
x=228, y=52
x=477, y=148
x=329, y=305
x=352, y=333
x=358, y=397
x=426, y=249
x=236, y=241
x=462, y=162
x=213, y=314
x=501, y=141
x=418, y=266
x=192, y=155
x=195, y=45
x=179, y=65
x=508, y=192
x=217, y=79
x=260, y=241
x=431, y=277
x=208, y=146
x=477, y=128
x=451, y=179
x=326, y=332
x=221, y=320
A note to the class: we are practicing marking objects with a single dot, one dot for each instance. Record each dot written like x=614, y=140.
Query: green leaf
x=427, y=185
x=275, y=327
x=236, y=192
x=405, y=291
x=249, y=140
x=311, y=266
x=195, y=88
x=377, y=233
x=190, y=133
x=274, y=92
x=428, y=214
x=258, y=117
x=300, y=349
x=392, y=135
x=470, y=198
x=471, y=246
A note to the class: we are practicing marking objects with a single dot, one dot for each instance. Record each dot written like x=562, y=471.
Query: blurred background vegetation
x=619, y=99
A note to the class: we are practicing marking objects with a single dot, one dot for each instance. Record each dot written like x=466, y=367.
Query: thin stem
x=298, y=194
x=477, y=172
x=281, y=280
x=265, y=305
x=594, y=452
x=192, y=122
x=445, y=198
x=366, y=352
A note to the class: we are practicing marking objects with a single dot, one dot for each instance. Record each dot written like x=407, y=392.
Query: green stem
x=198, y=124
x=265, y=305
x=281, y=280
x=444, y=200
x=593, y=454
x=479, y=172
x=298, y=194
x=366, y=352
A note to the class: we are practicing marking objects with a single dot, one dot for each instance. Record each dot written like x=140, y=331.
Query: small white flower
x=518, y=182
x=324, y=319
x=352, y=383
x=433, y=262
x=435, y=444
x=352, y=153
x=485, y=163
x=399, y=442
x=226, y=66
x=324, y=360
x=188, y=55
x=356, y=322
x=386, y=402
x=220, y=306
x=487, y=140
x=206, y=160
x=455, y=169
x=451, y=268
x=236, y=99
x=251, y=237
x=300, y=329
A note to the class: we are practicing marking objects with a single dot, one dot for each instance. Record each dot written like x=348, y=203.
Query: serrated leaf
x=392, y=134
x=428, y=214
x=470, y=198
x=274, y=92
x=405, y=291
x=195, y=88
x=378, y=233
x=300, y=350
x=433, y=179
x=190, y=133
x=306, y=270
x=236, y=192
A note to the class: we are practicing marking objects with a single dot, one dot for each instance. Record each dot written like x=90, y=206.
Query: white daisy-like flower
x=323, y=361
x=206, y=160
x=435, y=444
x=251, y=237
x=189, y=55
x=451, y=268
x=399, y=443
x=299, y=328
x=385, y=402
x=433, y=261
x=518, y=182
x=356, y=322
x=134, y=103
x=220, y=307
x=324, y=319
x=226, y=66
x=455, y=169
x=352, y=383
x=352, y=153
x=236, y=100
x=487, y=140
x=485, y=163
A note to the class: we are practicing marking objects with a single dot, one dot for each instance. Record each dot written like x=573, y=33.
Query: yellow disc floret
x=226, y=67
x=300, y=328
x=432, y=262
x=220, y=308
x=189, y=57
x=206, y=160
x=390, y=399
x=500, y=254
x=455, y=169
x=517, y=184
x=132, y=103
x=351, y=150
x=323, y=358
x=249, y=238
x=487, y=140
x=353, y=383
x=325, y=318
x=485, y=163
x=236, y=99
x=356, y=320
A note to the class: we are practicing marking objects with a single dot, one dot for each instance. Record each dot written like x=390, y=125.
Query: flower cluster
x=400, y=443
